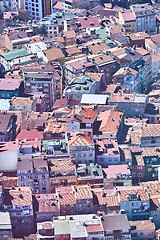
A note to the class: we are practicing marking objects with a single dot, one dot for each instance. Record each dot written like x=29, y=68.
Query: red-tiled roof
x=29, y=134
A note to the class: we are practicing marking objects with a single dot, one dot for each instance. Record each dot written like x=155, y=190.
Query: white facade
x=82, y=154
x=8, y=160
x=35, y=8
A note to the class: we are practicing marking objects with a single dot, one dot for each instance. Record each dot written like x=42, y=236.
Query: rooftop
x=117, y=171
x=15, y=54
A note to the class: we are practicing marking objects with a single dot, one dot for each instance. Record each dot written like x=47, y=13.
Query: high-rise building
x=38, y=8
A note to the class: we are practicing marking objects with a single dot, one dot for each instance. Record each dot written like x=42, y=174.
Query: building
x=117, y=175
x=10, y=60
x=38, y=8
x=128, y=78
x=23, y=104
x=8, y=156
x=46, y=207
x=18, y=202
x=62, y=173
x=11, y=87
x=40, y=79
x=82, y=120
x=150, y=135
x=145, y=18
x=13, y=40
x=110, y=124
x=116, y=226
x=133, y=105
x=81, y=148
x=81, y=85
x=33, y=172
x=91, y=174
x=152, y=44
x=5, y=225
x=107, y=152
x=142, y=229
x=7, y=126
x=135, y=201
x=128, y=20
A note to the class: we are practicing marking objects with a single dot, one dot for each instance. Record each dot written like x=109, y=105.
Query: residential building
x=23, y=104
x=10, y=60
x=133, y=105
x=110, y=124
x=8, y=156
x=91, y=174
x=107, y=152
x=116, y=226
x=152, y=44
x=142, y=229
x=5, y=226
x=81, y=148
x=117, y=175
x=33, y=172
x=145, y=18
x=46, y=207
x=128, y=20
x=135, y=201
x=7, y=126
x=82, y=120
x=14, y=40
x=62, y=173
x=69, y=37
x=81, y=85
x=18, y=202
x=11, y=87
x=128, y=78
x=40, y=79
x=44, y=230
x=150, y=135
x=138, y=164
x=38, y=9
x=84, y=199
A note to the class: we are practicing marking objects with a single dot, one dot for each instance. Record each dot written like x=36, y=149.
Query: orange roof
x=58, y=5
x=62, y=165
x=68, y=198
x=110, y=119
x=53, y=53
x=124, y=192
x=83, y=192
x=80, y=140
x=142, y=225
x=55, y=127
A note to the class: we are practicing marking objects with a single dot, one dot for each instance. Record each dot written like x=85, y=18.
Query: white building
x=9, y=156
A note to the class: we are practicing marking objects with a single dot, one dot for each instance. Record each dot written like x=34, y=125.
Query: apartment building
x=19, y=203
x=33, y=172
x=38, y=8
x=135, y=201
x=145, y=18
x=40, y=80
x=128, y=20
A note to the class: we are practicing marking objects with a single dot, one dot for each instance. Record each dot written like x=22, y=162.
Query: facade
x=152, y=44
x=7, y=126
x=135, y=201
x=33, y=172
x=117, y=175
x=128, y=20
x=17, y=57
x=40, y=80
x=5, y=225
x=10, y=88
x=38, y=8
x=145, y=18
x=81, y=149
x=142, y=229
x=18, y=202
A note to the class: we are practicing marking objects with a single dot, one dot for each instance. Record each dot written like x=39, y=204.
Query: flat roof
x=94, y=99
